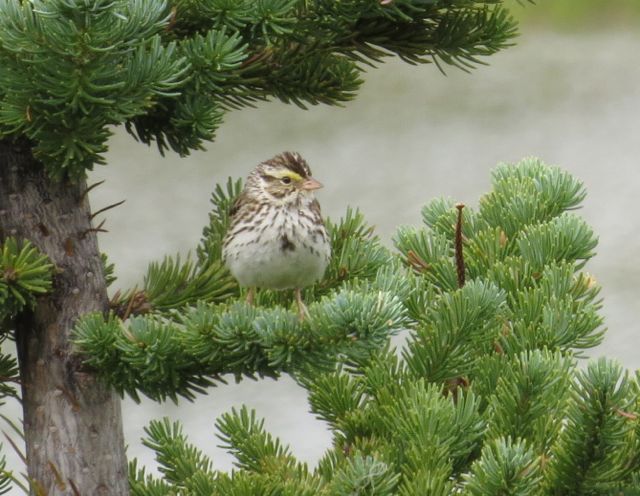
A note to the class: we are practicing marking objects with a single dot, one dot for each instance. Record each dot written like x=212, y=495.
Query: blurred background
x=567, y=92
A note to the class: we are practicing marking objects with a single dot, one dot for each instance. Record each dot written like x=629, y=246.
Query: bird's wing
x=237, y=204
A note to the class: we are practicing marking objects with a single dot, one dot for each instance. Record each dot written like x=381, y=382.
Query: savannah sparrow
x=276, y=237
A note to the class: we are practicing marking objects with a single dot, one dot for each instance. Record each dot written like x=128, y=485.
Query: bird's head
x=284, y=178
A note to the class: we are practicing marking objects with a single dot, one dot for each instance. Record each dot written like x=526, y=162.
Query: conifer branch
x=24, y=274
x=524, y=419
x=180, y=357
x=169, y=72
x=588, y=454
x=505, y=467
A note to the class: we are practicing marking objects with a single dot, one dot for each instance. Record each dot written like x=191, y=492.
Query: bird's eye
x=286, y=180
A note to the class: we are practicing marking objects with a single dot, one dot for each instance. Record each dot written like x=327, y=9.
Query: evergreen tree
x=487, y=396
x=70, y=70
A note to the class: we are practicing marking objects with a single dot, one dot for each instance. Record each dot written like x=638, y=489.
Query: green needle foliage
x=72, y=68
x=505, y=467
x=182, y=352
x=6, y=478
x=485, y=397
x=168, y=70
x=24, y=275
x=592, y=455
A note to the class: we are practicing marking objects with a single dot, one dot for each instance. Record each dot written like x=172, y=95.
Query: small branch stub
x=458, y=247
x=133, y=303
x=108, y=207
x=89, y=188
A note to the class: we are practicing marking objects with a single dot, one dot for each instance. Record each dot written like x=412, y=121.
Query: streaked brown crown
x=292, y=161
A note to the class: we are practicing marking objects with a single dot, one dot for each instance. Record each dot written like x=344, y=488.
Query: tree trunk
x=72, y=422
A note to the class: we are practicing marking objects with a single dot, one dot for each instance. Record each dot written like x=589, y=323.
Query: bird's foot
x=251, y=295
x=302, y=308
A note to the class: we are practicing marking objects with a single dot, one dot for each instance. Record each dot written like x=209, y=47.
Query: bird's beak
x=311, y=184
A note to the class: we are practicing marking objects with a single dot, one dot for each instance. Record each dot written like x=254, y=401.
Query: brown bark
x=72, y=422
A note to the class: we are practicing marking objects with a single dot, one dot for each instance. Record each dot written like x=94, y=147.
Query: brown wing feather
x=237, y=204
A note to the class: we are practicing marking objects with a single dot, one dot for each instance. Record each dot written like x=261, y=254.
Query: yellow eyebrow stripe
x=293, y=175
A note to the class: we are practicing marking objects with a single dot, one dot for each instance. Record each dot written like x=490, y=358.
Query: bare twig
x=459, y=255
x=108, y=207
x=127, y=312
x=95, y=229
x=89, y=188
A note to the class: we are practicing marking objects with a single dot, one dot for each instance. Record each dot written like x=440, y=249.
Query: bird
x=277, y=238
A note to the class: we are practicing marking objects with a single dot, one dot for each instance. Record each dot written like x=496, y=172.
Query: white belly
x=280, y=257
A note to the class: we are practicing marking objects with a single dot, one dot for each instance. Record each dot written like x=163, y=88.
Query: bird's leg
x=302, y=309
x=251, y=294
